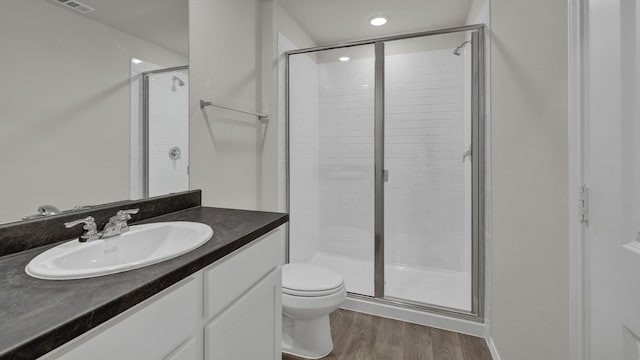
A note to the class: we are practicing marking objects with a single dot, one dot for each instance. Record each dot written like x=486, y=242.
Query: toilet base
x=310, y=339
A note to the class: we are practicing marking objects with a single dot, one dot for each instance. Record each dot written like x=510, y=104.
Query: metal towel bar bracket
x=261, y=117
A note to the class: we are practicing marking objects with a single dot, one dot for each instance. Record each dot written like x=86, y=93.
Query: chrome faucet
x=91, y=232
x=43, y=210
x=118, y=224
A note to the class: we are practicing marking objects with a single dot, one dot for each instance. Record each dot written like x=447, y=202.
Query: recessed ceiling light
x=136, y=61
x=344, y=58
x=378, y=21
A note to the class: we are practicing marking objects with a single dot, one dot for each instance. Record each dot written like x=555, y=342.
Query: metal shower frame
x=477, y=160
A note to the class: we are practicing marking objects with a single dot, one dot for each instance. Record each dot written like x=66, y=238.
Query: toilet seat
x=309, y=280
x=318, y=293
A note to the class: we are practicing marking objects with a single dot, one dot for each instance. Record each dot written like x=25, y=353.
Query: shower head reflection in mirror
x=174, y=80
x=458, y=51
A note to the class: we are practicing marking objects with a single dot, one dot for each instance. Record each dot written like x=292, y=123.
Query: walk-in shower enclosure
x=385, y=167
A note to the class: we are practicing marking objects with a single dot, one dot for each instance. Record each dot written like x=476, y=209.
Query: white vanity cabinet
x=154, y=329
x=244, y=321
x=229, y=310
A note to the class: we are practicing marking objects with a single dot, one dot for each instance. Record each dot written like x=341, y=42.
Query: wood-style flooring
x=358, y=336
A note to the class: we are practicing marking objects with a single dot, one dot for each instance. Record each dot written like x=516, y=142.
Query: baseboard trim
x=492, y=348
x=415, y=317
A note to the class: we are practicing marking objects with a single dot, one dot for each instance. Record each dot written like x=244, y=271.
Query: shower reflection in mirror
x=159, y=129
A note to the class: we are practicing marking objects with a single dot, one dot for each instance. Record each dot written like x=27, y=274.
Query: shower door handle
x=385, y=175
x=466, y=154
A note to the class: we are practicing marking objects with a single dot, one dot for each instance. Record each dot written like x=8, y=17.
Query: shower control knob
x=175, y=153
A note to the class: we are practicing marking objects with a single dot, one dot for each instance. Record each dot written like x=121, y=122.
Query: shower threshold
x=442, y=288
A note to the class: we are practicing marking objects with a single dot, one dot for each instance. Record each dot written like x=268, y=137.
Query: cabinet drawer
x=152, y=330
x=227, y=280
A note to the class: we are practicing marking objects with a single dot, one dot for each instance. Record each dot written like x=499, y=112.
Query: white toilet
x=309, y=294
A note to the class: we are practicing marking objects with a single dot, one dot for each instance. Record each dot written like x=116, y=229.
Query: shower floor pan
x=424, y=285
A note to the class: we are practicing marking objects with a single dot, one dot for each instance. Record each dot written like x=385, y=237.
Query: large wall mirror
x=93, y=102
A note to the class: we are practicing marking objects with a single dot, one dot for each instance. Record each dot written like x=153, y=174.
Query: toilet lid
x=309, y=280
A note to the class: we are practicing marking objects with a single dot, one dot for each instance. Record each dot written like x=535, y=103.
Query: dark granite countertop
x=37, y=316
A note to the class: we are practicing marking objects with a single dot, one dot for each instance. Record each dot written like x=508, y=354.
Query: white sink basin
x=141, y=246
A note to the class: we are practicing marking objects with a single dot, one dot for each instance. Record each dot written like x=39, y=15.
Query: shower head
x=180, y=82
x=458, y=51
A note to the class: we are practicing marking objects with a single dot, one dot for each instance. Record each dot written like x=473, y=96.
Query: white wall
x=530, y=277
x=234, y=47
x=287, y=34
x=281, y=26
x=304, y=225
x=65, y=113
x=226, y=53
x=287, y=25
x=478, y=12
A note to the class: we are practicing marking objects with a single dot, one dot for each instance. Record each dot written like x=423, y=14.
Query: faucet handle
x=118, y=223
x=90, y=226
x=123, y=215
x=88, y=222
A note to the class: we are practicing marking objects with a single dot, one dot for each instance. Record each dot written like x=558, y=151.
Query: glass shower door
x=385, y=167
x=331, y=162
x=427, y=191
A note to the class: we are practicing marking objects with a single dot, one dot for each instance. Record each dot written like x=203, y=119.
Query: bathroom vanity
x=221, y=309
x=219, y=301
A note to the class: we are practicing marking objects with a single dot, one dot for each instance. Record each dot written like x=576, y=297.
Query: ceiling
x=334, y=21
x=162, y=22
x=166, y=23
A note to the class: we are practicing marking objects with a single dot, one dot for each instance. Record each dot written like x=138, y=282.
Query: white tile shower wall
x=168, y=127
x=346, y=144
x=425, y=196
x=424, y=143
x=303, y=225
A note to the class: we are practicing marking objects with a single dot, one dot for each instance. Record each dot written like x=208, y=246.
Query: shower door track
x=478, y=170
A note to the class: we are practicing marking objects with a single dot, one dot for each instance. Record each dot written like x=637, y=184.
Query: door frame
x=577, y=122
x=478, y=158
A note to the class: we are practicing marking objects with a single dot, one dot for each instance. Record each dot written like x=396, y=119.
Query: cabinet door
x=187, y=351
x=251, y=327
x=161, y=326
x=232, y=276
